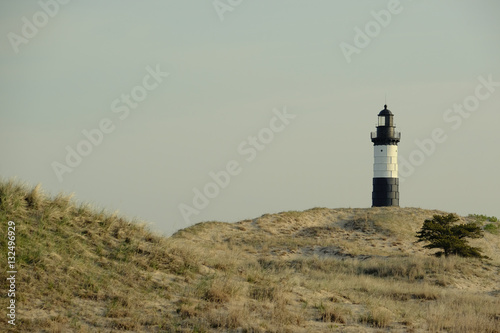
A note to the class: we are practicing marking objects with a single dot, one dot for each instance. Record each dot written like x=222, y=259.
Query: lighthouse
x=385, y=166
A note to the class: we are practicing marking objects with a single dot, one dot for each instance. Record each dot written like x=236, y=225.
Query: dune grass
x=83, y=269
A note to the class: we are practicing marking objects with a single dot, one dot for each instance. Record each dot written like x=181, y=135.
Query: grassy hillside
x=321, y=270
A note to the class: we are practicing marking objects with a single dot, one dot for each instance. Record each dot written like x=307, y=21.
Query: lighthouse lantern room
x=385, y=167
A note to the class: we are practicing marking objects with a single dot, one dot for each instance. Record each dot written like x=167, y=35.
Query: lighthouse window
x=381, y=121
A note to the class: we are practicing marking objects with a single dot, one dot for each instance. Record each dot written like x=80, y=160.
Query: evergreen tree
x=442, y=232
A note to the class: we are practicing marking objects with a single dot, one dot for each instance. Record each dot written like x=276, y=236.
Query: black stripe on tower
x=385, y=192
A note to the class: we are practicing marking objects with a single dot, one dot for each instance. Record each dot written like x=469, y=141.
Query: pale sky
x=283, y=93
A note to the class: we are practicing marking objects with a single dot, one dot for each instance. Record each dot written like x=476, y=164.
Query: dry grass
x=333, y=314
x=377, y=316
x=464, y=313
x=322, y=270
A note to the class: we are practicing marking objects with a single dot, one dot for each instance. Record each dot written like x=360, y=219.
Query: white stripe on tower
x=385, y=161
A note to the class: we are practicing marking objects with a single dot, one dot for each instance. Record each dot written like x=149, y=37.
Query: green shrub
x=483, y=218
x=492, y=228
x=442, y=232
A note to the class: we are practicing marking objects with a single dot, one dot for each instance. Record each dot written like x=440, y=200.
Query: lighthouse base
x=385, y=192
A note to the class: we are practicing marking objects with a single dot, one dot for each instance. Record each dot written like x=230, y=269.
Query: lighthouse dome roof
x=385, y=112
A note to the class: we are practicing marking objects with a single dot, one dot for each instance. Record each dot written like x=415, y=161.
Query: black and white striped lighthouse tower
x=385, y=166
